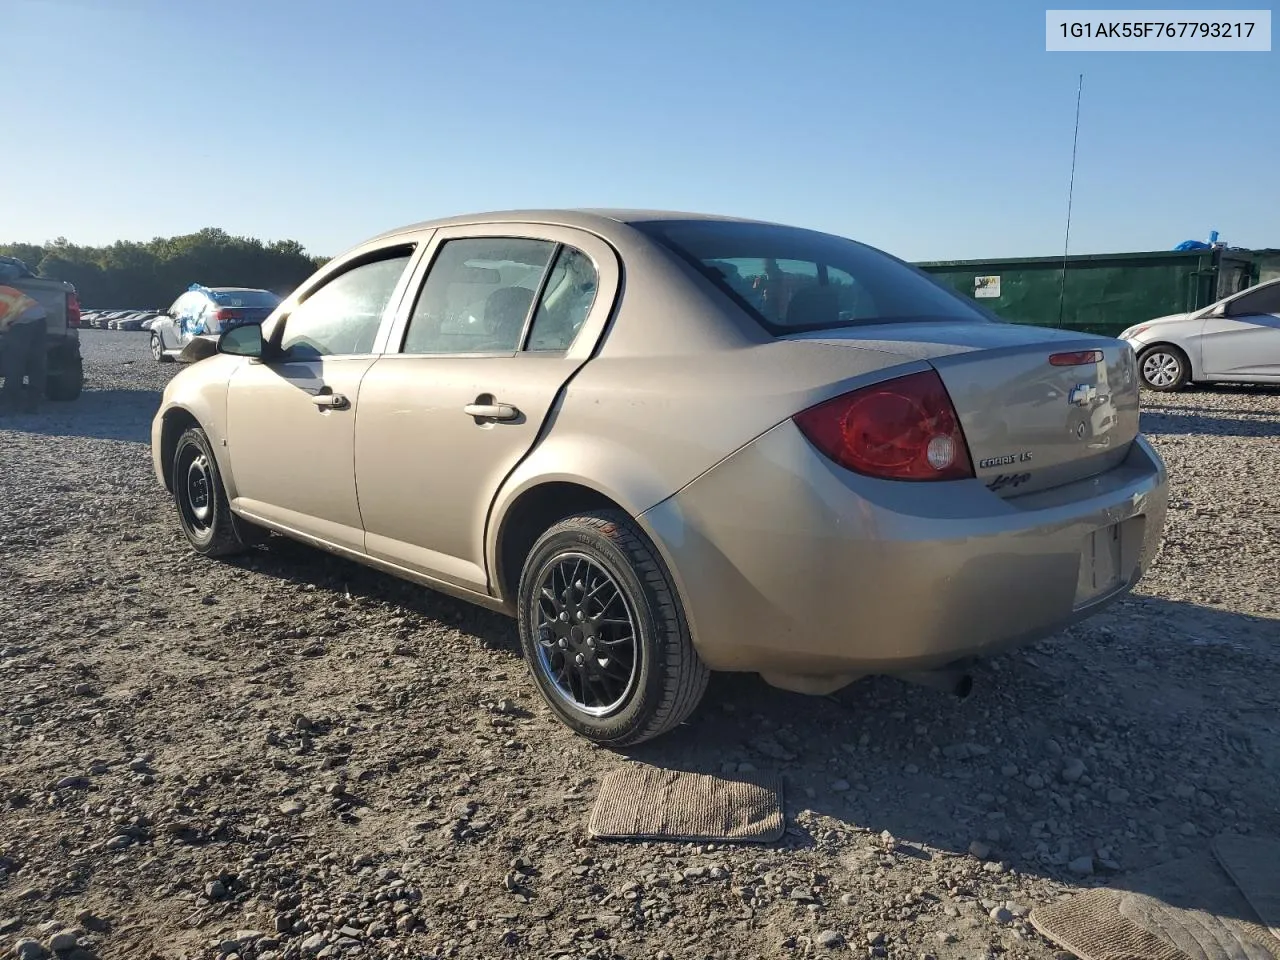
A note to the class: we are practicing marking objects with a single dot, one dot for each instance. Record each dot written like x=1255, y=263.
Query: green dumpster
x=1098, y=293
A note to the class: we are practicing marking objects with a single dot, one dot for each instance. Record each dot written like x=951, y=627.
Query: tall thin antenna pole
x=1071, y=188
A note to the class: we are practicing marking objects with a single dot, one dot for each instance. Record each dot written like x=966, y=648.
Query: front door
x=1245, y=342
x=500, y=324
x=291, y=419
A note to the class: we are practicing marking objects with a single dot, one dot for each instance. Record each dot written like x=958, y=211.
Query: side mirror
x=243, y=341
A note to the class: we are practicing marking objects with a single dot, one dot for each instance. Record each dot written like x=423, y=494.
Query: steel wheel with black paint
x=603, y=632
x=203, y=510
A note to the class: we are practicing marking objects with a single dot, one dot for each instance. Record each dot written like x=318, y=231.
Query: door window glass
x=793, y=280
x=566, y=301
x=1263, y=300
x=342, y=317
x=796, y=293
x=477, y=296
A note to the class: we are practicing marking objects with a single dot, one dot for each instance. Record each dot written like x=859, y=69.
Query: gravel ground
x=291, y=756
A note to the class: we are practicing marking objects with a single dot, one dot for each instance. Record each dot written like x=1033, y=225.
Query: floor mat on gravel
x=1216, y=906
x=648, y=803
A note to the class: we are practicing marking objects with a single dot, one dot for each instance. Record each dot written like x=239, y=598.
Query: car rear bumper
x=793, y=567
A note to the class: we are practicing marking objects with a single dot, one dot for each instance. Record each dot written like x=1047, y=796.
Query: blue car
x=207, y=311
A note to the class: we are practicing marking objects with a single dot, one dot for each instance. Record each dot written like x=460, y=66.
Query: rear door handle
x=330, y=401
x=491, y=411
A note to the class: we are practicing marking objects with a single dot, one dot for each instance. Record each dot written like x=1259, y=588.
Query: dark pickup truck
x=66, y=371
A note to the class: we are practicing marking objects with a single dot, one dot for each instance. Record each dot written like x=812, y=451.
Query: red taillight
x=1077, y=359
x=902, y=429
x=73, y=310
x=225, y=314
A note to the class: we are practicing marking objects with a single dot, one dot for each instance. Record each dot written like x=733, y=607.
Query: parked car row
x=199, y=312
x=119, y=319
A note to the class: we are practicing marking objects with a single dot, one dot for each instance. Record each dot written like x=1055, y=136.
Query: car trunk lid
x=1039, y=407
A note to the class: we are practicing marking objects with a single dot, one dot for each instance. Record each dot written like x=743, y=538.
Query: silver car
x=206, y=312
x=668, y=444
x=1236, y=340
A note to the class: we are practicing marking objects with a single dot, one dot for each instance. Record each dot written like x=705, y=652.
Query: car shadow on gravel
x=301, y=564
x=1201, y=421
x=1167, y=708
x=987, y=775
x=96, y=415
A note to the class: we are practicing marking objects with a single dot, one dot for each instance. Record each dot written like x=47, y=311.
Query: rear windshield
x=793, y=280
x=245, y=298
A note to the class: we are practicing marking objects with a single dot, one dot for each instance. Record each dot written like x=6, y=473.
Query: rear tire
x=66, y=377
x=203, y=510
x=588, y=582
x=157, y=350
x=1163, y=367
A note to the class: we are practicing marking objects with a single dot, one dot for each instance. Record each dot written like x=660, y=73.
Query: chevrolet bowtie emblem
x=1082, y=394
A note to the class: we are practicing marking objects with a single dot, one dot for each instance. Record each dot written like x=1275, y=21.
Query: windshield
x=245, y=298
x=793, y=280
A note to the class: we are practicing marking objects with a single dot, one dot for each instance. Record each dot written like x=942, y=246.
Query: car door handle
x=491, y=411
x=330, y=401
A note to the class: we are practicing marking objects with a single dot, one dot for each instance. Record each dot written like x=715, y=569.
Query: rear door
x=291, y=420
x=504, y=316
x=1246, y=342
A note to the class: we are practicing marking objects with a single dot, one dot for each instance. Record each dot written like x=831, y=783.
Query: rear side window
x=342, y=317
x=565, y=303
x=478, y=295
x=792, y=280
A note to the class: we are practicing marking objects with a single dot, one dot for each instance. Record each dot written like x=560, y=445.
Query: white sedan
x=1236, y=340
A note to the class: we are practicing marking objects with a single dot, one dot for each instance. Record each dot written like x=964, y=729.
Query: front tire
x=157, y=350
x=603, y=632
x=1163, y=368
x=203, y=510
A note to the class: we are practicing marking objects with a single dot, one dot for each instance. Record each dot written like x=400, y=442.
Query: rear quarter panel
x=639, y=429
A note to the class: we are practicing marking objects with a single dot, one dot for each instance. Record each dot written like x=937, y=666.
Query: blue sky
x=931, y=129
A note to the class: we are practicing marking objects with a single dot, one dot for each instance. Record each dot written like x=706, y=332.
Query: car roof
x=597, y=220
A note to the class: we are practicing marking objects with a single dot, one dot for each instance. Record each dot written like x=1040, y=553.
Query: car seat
x=505, y=311
x=814, y=306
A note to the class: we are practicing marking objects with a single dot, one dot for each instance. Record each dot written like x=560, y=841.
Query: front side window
x=477, y=296
x=792, y=280
x=565, y=303
x=342, y=317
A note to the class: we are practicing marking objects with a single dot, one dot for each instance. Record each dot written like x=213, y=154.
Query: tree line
x=151, y=275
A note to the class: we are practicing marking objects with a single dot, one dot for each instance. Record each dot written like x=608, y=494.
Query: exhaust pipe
x=958, y=682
